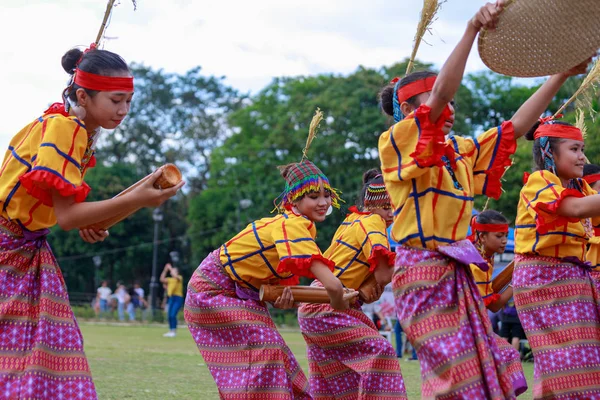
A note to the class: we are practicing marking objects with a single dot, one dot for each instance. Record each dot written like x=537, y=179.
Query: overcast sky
x=249, y=42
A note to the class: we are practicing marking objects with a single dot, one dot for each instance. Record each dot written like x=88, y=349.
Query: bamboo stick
x=503, y=278
x=301, y=294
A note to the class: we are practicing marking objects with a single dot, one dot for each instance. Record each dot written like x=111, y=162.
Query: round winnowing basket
x=541, y=37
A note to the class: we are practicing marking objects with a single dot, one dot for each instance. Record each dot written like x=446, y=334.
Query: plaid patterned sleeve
x=294, y=239
x=57, y=164
x=375, y=241
x=489, y=153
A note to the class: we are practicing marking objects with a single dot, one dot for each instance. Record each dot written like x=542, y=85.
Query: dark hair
x=491, y=217
x=538, y=159
x=99, y=62
x=369, y=177
x=284, y=170
x=386, y=95
x=590, y=169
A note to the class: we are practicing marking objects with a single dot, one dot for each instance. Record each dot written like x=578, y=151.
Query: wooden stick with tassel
x=312, y=131
x=109, y=7
x=584, y=94
x=430, y=9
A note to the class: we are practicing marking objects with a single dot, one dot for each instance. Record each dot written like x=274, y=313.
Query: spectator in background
x=175, y=296
x=510, y=327
x=134, y=303
x=122, y=299
x=103, y=296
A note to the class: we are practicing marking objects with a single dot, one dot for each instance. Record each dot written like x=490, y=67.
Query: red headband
x=103, y=83
x=558, y=131
x=489, y=227
x=593, y=178
x=415, y=88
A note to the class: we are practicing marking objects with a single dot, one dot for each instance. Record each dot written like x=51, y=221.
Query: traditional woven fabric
x=238, y=340
x=272, y=249
x=539, y=229
x=356, y=246
x=347, y=356
x=40, y=341
x=51, y=152
x=303, y=178
x=444, y=318
x=559, y=306
x=376, y=196
x=425, y=173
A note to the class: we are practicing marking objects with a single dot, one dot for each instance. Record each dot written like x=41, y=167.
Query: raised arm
x=451, y=74
x=530, y=111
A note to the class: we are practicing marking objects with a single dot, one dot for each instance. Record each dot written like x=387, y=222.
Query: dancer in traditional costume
x=489, y=233
x=591, y=174
x=42, y=184
x=556, y=300
x=347, y=356
x=235, y=334
x=432, y=183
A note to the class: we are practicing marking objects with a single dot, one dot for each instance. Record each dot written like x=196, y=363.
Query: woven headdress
x=376, y=196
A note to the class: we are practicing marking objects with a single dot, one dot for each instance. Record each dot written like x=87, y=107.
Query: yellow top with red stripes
x=539, y=229
x=273, y=249
x=432, y=181
x=48, y=154
x=356, y=246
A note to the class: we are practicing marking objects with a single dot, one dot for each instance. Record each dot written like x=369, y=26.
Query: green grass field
x=136, y=362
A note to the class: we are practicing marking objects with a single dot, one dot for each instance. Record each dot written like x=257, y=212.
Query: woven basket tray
x=541, y=37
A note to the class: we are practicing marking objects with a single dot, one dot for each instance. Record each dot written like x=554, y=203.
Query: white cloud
x=249, y=42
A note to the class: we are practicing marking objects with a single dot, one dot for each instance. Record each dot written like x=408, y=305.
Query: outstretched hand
x=579, y=69
x=148, y=196
x=91, y=235
x=487, y=16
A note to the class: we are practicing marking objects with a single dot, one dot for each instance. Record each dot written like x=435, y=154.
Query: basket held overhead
x=541, y=37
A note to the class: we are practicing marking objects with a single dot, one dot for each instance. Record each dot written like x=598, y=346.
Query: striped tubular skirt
x=559, y=308
x=238, y=340
x=442, y=313
x=40, y=341
x=347, y=356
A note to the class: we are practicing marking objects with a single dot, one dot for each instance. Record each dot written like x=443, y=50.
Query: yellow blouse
x=46, y=154
x=355, y=247
x=272, y=249
x=432, y=181
x=539, y=230
x=483, y=279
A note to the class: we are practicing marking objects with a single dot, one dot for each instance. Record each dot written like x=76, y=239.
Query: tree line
x=228, y=145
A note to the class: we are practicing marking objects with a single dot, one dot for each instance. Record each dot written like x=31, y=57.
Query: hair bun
x=69, y=60
x=284, y=170
x=370, y=175
x=530, y=134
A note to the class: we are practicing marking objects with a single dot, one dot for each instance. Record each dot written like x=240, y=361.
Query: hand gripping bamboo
x=170, y=177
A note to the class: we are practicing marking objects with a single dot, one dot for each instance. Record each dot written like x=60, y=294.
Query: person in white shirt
x=103, y=295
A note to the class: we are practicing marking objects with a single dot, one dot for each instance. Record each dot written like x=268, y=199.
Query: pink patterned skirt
x=347, y=356
x=238, y=340
x=40, y=341
x=442, y=313
x=559, y=308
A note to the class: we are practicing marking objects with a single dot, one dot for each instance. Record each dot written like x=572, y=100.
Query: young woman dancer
x=235, y=334
x=431, y=182
x=42, y=184
x=347, y=356
x=557, y=302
